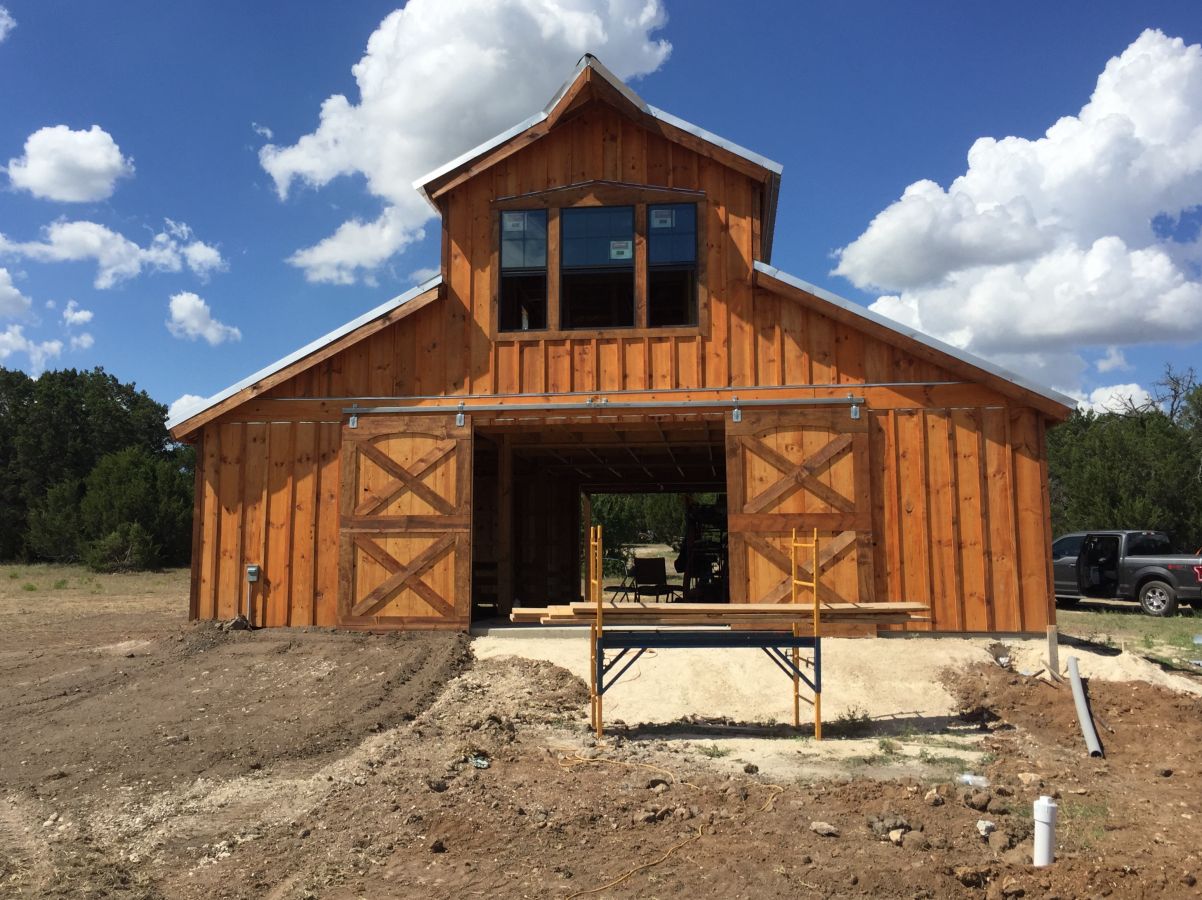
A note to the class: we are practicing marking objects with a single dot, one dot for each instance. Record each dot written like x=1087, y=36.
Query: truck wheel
x=1158, y=598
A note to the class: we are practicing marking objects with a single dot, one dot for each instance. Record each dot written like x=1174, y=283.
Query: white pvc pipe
x=1045, y=831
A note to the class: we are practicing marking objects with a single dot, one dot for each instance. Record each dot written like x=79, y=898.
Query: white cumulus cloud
x=82, y=341
x=12, y=302
x=184, y=405
x=13, y=341
x=191, y=319
x=73, y=315
x=439, y=77
x=1046, y=247
x=7, y=23
x=117, y=257
x=1114, y=398
x=71, y=166
x=1112, y=361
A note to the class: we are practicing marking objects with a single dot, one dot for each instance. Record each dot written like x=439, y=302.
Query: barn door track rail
x=601, y=403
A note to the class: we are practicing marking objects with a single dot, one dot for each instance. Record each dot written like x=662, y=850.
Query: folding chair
x=651, y=579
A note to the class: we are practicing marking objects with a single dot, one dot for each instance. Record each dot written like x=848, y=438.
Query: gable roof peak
x=608, y=88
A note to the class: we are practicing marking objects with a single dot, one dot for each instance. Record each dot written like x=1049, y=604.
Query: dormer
x=601, y=215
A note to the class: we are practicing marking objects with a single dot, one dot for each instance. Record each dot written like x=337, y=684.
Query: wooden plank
x=209, y=502
x=972, y=538
x=717, y=353
x=736, y=253
x=326, y=582
x=304, y=524
x=861, y=490
x=1029, y=520
x=913, y=492
x=946, y=601
x=277, y=558
x=1004, y=599
x=229, y=575
x=254, y=512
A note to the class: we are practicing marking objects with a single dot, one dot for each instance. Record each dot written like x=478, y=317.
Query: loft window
x=672, y=264
x=523, y=304
x=597, y=267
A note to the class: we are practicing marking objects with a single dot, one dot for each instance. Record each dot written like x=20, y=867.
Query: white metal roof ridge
x=923, y=338
x=312, y=347
x=590, y=61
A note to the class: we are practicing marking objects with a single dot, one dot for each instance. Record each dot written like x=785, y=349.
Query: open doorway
x=662, y=546
x=529, y=480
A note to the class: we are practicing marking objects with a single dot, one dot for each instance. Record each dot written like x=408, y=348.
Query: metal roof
x=588, y=61
x=312, y=347
x=895, y=326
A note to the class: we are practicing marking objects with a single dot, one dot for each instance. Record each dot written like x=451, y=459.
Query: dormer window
x=672, y=264
x=599, y=256
x=596, y=286
x=523, y=305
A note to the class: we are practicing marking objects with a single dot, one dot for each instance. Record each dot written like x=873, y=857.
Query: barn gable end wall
x=957, y=463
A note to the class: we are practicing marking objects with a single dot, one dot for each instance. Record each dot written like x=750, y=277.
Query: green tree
x=1136, y=469
x=134, y=487
x=53, y=433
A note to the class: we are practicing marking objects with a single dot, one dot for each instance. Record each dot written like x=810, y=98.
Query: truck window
x=1067, y=546
x=1149, y=545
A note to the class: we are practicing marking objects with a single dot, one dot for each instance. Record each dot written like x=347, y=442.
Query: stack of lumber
x=765, y=615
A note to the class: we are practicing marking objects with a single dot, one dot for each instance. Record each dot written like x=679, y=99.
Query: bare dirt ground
x=141, y=756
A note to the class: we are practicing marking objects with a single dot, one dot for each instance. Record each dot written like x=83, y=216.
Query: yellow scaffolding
x=641, y=641
x=812, y=584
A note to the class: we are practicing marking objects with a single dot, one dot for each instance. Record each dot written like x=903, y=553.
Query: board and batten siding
x=959, y=496
x=958, y=511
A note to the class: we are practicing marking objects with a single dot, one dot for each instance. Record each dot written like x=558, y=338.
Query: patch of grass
x=14, y=575
x=713, y=751
x=29, y=586
x=1084, y=823
x=1134, y=627
x=852, y=722
x=943, y=761
x=60, y=584
x=888, y=747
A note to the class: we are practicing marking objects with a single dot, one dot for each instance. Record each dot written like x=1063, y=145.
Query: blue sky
x=858, y=100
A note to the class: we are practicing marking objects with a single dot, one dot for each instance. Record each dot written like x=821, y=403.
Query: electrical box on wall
x=252, y=573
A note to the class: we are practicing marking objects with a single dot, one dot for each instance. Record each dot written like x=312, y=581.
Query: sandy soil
x=310, y=764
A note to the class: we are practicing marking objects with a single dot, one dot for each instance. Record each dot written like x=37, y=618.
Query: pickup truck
x=1126, y=565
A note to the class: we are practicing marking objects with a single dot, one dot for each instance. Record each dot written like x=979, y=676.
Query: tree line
x=1137, y=467
x=89, y=474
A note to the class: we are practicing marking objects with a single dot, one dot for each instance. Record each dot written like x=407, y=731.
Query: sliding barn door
x=802, y=469
x=405, y=524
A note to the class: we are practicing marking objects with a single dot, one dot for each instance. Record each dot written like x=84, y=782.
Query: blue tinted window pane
x=672, y=233
x=524, y=239
x=511, y=254
x=598, y=237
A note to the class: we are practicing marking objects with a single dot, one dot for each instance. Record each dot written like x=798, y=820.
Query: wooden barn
x=607, y=320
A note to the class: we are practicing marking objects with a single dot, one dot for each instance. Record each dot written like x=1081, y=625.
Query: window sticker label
x=621, y=250
x=663, y=218
x=513, y=221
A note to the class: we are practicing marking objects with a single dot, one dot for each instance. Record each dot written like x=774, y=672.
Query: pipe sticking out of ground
x=1083, y=715
x=1045, y=831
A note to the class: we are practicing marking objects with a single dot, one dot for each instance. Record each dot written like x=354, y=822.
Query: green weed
x=60, y=584
x=713, y=751
x=29, y=586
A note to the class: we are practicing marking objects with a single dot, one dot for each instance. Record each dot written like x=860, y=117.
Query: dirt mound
x=208, y=702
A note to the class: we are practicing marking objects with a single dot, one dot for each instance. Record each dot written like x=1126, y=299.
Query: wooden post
x=586, y=513
x=505, y=541
x=1054, y=651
